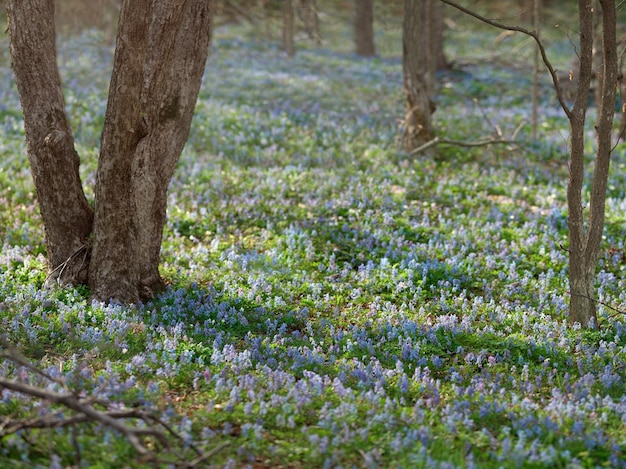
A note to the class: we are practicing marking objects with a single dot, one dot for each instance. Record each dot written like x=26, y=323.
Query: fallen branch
x=72, y=402
x=460, y=143
x=109, y=416
x=16, y=357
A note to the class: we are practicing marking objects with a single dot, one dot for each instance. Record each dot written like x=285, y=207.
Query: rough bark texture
x=440, y=61
x=160, y=55
x=418, y=73
x=364, y=28
x=169, y=99
x=54, y=162
x=596, y=63
x=584, y=241
x=288, y=42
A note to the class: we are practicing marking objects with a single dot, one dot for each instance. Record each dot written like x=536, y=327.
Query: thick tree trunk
x=289, y=25
x=54, y=162
x=584, y=241
x=418, y=73
x=113, y=272
x=169, y=99
x=160, y=56
x=364, y=28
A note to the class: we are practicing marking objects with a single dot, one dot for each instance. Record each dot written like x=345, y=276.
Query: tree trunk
x=66, y=214
x=160, y=56
x=585, y=238
x=527, y=16
x=596, y=63
x=288, y=42
x=584, y=242
x=418, y=73
x=534, y=120
x=364, y=28
x=159, y=61
x=309, y=15
x=439, y=57
x=315, y=18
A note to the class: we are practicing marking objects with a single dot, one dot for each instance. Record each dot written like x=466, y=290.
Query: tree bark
x=584, y=238
x=160, y=55
x=534, y=119
x=418, y=73
x=584, y=242
x=288, y=42
x=66, y=214
x=161, y=52
x=596, y=63
x=439, y=57
x=364, y=28
x=527, y=16
x=308, y=13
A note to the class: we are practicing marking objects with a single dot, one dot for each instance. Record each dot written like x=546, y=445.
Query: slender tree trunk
x=160, y=55
x=585, y=241
x=364, y=28
x=66, y=214
x=534, y=120
x=315, y=20
x=585, y=234
x=288, y=42
x=418, y=73
x=596, y=63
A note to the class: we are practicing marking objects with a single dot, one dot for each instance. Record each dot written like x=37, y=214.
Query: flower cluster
x=331, y=304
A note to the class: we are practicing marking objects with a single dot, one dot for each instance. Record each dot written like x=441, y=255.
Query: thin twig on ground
x=110, y=416
x=459, y=143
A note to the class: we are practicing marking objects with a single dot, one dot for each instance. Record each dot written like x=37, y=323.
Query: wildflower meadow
x=332, y=301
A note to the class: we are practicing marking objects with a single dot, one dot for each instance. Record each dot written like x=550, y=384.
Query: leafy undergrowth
x=332, y=302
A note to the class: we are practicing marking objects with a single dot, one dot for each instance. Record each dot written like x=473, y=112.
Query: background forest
x=332, y=300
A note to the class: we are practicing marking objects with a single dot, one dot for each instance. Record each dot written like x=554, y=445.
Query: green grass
x=332, y=302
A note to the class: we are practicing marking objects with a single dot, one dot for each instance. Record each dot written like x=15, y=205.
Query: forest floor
x=332, y=301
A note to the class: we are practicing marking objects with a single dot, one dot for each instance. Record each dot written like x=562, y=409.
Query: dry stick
x=443, y=141
x=53, y=421
x=172, y=432
x=65, y=263
x=70, y=401
x=208, y=454
x=479, y=143
x=76, y=447
x=496, y=128
x=517, y=130
x=619, y=137
x=15, y=356
x=88, y=413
